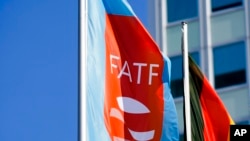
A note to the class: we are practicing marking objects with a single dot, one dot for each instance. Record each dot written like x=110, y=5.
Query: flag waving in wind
x=210, y=119
x=128, y=78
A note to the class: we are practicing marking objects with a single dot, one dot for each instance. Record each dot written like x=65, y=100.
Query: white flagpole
x=186, y=81
x=82, y=133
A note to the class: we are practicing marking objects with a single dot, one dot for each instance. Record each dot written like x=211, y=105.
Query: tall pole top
x=186, y=82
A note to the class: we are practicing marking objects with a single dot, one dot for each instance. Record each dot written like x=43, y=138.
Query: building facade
x=218, y=40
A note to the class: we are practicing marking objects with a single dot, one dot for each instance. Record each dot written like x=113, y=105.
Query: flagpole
x=82, y=130
x=186, y=81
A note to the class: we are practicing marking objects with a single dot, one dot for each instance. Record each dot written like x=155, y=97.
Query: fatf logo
x=132, y=106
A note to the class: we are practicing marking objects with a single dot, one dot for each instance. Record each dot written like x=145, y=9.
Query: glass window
x=181, y=9
x=235, y=99
x=182, y=137
x=177, y=73
x=174, y=37
x=230, y=64
x=224, y=4
x=228, y=26
x=245, y=122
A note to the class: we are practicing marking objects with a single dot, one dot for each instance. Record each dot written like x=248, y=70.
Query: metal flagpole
x=186, y=81
x=82, y=130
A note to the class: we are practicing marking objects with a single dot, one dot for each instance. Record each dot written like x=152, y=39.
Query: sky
x=39, y=69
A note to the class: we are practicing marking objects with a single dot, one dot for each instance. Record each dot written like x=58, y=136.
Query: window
x=245, y=122
x=174, y=33
x=181, y=9
x=228, y=27
x=224, y=4
x=177, y=74
x=229, y=65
